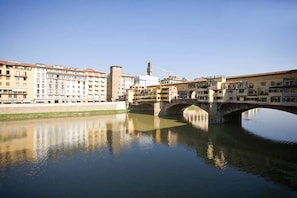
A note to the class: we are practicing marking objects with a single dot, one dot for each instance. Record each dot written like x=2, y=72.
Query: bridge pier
x=217, y=114
x=157, y=108
x=214, y=115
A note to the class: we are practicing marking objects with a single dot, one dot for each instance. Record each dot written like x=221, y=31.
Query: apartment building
x=58, y=84
x=41, y=83
x=139, y=94
x=273, y=88
x=16, y=82
x=97, y=86
x=127, y=81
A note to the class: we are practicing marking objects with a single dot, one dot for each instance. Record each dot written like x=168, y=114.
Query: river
x=138, y=155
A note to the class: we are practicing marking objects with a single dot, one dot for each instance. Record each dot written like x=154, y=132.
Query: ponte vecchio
x=224, y=98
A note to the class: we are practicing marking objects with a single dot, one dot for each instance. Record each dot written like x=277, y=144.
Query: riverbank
x=34, y=111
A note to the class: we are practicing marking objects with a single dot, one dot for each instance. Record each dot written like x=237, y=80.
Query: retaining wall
x=67, y=107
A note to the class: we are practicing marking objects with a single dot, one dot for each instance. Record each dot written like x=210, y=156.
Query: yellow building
x=97, y=86
x=16, y=82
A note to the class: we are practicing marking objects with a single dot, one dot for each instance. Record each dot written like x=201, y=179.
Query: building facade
x=96, y=86
x=16, y=82
x=58, y=84
x=127, y=81
x=114, y=83
x=40, y=83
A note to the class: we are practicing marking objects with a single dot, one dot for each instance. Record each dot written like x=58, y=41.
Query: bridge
x=223, y=98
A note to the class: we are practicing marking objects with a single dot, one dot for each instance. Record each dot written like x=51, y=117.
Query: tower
x=149, y=69
x=114, y=81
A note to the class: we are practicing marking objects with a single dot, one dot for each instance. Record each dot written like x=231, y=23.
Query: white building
x=59, y=84
x=127, y=80
x=146, y=80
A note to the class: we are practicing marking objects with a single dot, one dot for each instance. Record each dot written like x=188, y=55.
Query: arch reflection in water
x=272, y=124
x=198, y=118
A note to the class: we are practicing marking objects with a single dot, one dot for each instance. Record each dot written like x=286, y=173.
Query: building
x=59, y=84
x=96, y=86
x=147, y=80
x=171, y=79
x=127, y=81
x=41, y=83
x=118, y=83
x=114, y=83
x=16, y=82
x=139, y=94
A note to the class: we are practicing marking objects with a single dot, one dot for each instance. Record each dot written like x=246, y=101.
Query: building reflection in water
x=217, y=157
x=36, y=140
x=247, y=115
x=198, y=118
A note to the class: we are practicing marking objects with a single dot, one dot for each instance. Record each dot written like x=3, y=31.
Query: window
x=272, y=83
x=263, y=83
x=275, y=99
x=7, y=83
x=7, y=72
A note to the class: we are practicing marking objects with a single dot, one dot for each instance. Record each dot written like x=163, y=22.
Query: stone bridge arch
x=233, y=111
x=176, y=107
x=219, y=112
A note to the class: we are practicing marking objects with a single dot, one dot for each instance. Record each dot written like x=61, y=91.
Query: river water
x=137, y=155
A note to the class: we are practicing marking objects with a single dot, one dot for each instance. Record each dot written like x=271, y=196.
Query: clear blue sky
x=189, y=38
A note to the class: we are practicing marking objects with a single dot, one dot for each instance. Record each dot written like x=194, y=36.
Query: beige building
x=114, y=83
x=118, y=83
x=16, y=82
x=171, y=79
x=272, y=87
x=139, y=94
x=41, y=83
x=97, y=86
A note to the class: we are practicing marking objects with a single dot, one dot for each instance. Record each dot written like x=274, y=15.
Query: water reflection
x=36, y=140
x=198, y=118
x=222, y=146
x=272, y=124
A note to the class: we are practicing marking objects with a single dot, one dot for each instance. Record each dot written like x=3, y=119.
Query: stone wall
x=67, y=107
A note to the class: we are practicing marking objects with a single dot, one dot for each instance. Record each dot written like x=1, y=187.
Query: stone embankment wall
x=66, y=107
